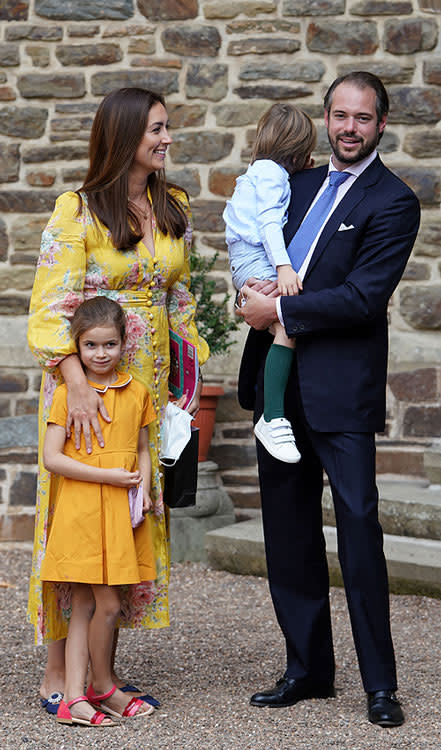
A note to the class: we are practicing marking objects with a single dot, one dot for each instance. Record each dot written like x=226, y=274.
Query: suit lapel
x=304, y=187
x=354, y=195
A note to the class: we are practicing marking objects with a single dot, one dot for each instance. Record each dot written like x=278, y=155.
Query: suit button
x=301, y=327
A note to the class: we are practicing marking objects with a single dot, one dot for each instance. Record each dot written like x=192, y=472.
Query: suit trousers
x=296, y=554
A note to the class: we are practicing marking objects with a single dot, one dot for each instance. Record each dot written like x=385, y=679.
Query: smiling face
x=151, y=151
x=100, y=352
x=352, y=124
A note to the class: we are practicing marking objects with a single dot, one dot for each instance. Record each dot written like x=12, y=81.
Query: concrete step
x=414, y=564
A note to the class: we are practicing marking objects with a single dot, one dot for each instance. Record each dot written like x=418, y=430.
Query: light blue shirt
x=254, y=218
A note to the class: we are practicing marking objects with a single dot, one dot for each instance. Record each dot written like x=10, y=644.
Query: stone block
x=207, y=215
x=206, y=81
x=266, y=26
x=222, y=180
x=414, y=105
x=7, y=94
x=188, y=179
x=9, y=162
x=14, y=10
x=229, y=410
x=432, y=71
x=5, y=407
x=168, y=10
x=423, y=143
x=39, y=55
x=422, y=422
x=313, y=8
x=34, y=33
x=432, y=6
x=415, y=385
x=416, y=272
x=19, y=279
x=233, y=454
x=382, y=8
x=23, y=122
x=88, y=54
x=307, y=71
x=73, y=127
x=24, y=259
x=410, y=35
x=201, y=147
x=402, y=462
x=425, y=181
x=40, y=179
x=9, y=55
x=14, y=304
x=26, y=235
x=186, y=115
x=52, y=85
x=263, y=46
x=19, y=432
x=4, y=243
x=233, y=8
x=26, y=406
x=13, y=382
x=127, y=29
x=192, y=41
x=390, y=71
x=23, y=489
x=214, y=241
x=17, y=527
x=420, y=306
x=428, y=241
x=82, y=10
x=27, y=201
x=38, y=154
x=156, y=62
x=238, y=115
x=140, y=46
x=389, y=142
x=76, y=108
x=162, y=81
x=83, y=30
x=75, y=176
x=343, y=37
x=267, y=91
x=432, y=463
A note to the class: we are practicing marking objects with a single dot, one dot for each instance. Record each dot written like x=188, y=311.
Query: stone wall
x=219, y=64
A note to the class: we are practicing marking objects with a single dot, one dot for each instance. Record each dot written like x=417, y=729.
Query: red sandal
x=64, y=715
x=132, y=710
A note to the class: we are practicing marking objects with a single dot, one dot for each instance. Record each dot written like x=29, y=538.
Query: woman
x=126, y=235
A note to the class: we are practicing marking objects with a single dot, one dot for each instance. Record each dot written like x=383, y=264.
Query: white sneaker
x=278, y=439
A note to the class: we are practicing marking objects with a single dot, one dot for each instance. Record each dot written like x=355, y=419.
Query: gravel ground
x=223, y=645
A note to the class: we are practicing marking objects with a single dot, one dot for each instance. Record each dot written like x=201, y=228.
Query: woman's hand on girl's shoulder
x=122, y=478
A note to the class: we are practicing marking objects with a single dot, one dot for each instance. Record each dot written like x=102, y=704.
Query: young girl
x=254, y=219
x=92, y=544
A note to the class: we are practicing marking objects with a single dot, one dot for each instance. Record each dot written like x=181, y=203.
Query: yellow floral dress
x=78, y=261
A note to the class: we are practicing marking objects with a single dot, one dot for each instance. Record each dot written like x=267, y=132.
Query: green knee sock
x=277, y=369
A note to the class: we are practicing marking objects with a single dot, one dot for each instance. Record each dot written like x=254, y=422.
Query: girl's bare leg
x=77, y=649
x=54, y=673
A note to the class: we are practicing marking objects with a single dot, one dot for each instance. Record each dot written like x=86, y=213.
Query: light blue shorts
x=249, y=260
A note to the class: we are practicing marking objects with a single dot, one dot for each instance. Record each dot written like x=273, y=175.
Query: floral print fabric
x=78, y=261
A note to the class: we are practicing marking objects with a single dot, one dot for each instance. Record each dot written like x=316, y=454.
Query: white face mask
x=175, y=434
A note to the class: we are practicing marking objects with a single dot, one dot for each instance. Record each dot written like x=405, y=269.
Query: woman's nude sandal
x=132, y=710
x=64, y=715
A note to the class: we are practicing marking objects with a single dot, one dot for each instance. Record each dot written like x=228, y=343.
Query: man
x=335, y=400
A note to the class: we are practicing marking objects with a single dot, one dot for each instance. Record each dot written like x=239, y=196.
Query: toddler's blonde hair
x=286, y=135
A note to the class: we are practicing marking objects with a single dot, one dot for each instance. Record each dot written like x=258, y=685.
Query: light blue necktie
x=301, y=243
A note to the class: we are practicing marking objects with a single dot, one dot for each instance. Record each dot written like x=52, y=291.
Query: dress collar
x=123, y=379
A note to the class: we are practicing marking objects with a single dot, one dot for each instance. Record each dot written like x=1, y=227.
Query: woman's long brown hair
x=118, y=127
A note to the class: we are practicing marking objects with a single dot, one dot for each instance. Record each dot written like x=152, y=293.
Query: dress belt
x=132, y=298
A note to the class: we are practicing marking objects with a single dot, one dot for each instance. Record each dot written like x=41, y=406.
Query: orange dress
x=91, y=538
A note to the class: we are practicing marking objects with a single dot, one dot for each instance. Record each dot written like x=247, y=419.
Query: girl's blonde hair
x=286, y=135
x=96, y=312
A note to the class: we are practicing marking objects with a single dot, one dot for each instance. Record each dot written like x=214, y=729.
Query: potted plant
x=216, y=325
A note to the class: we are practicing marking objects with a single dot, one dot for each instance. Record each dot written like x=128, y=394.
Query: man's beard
x=366, y=148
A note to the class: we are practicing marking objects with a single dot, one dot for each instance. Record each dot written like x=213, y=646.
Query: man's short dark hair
x=362, y=79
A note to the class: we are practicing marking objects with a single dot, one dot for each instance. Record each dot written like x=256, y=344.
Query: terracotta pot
x=206, y=417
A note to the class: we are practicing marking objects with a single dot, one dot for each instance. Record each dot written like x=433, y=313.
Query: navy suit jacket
x=340, y=318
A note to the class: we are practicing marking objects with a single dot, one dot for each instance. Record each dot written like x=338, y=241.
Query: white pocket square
x=344, y=228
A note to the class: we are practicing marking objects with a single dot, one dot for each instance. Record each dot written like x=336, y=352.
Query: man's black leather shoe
x=384, y=709
x=288, y=691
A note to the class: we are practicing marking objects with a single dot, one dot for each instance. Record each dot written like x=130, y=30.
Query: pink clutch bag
x=135, y=505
